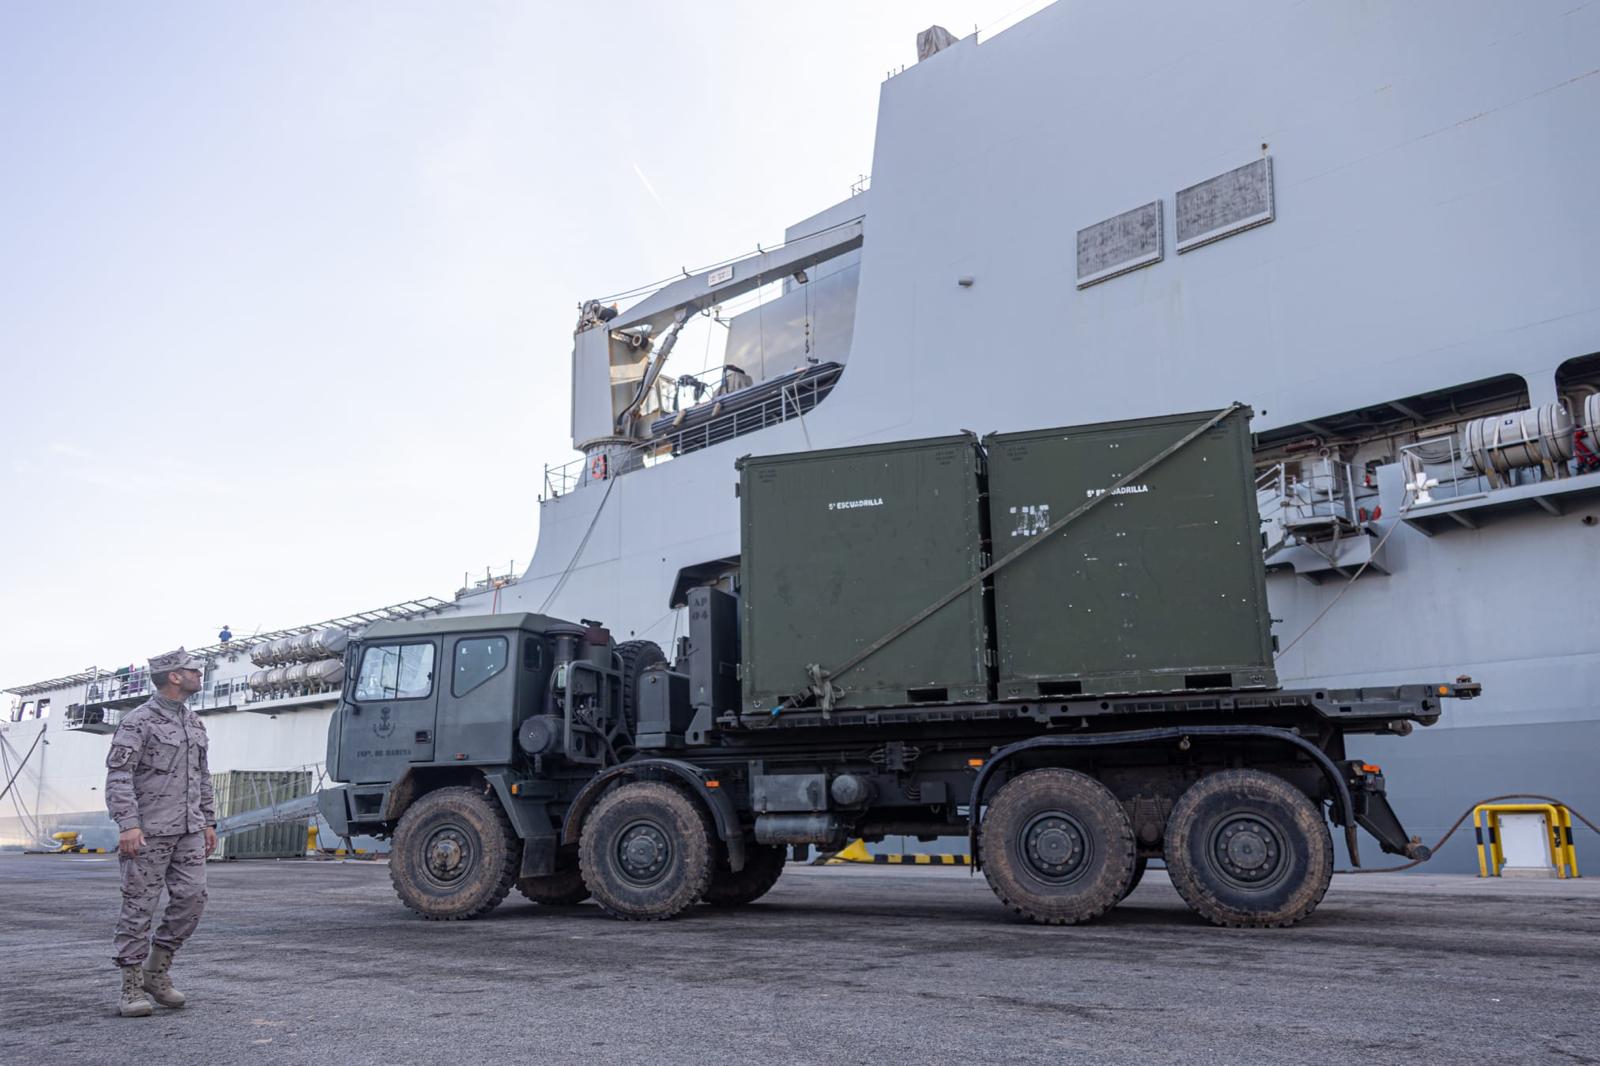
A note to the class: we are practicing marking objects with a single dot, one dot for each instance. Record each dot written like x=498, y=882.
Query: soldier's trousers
x=176, y=863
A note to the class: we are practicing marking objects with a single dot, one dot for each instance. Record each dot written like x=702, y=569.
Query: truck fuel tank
x=822, y=829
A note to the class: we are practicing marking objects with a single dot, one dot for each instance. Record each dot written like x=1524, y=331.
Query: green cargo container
x=1109, y=606
x=238, y=791
x=842, y=546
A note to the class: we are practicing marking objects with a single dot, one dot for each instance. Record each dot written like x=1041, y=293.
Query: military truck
x=1053, y=644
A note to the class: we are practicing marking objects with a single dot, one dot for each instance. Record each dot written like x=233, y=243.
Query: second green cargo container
x=842, y=546
x=1110, y=605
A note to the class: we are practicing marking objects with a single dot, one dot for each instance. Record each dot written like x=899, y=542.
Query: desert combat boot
x=156, y=979
x=133, y=1004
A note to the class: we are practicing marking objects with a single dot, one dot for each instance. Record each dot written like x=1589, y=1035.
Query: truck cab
x=466, y=738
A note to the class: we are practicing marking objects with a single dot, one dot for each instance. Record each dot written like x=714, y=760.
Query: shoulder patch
x=119, y=756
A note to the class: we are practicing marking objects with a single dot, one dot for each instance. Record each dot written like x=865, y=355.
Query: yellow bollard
x=1491, y=851
x=311, y=839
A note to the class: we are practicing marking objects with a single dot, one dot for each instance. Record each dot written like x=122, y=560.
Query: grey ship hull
x=1430, y=163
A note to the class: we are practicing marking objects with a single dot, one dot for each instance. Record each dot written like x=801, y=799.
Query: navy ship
x=1370, y=222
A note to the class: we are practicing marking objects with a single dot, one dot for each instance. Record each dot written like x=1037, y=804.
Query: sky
x=287, y=290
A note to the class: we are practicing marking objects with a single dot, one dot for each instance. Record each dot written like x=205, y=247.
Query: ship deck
x=302, y=962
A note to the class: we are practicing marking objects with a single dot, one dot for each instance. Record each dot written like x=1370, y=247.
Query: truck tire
x=1248, y=850
x=637, y=656
x=1057, y=847
x=454, y=855
x=763, y=865
x=564, y=888
x=1138, y=875
x=647, y=852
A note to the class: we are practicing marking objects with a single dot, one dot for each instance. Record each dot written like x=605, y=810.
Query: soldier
x=158, y=790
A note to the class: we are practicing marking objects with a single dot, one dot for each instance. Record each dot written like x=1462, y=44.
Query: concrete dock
x=316, y=962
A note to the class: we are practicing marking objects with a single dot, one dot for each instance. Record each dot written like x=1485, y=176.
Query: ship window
x=44, y=708
x=395, y=672
x=477, y=660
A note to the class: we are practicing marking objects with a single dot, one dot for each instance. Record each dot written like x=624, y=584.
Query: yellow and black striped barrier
x=67, y=844
x=1563, y=852
x=73, y=851
x=857, y=852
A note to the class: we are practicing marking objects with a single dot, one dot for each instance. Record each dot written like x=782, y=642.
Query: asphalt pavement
x=316, y=962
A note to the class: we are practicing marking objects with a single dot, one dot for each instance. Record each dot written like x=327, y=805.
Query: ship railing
x=749, y=409
x=228, y=692
x=106, y=688
x=106, y=700
x=252, y=698
x=83, y=719
x=491, y=580
x=1296, y=504
x=792, y=400
x=562, y=479
x=1435, y=469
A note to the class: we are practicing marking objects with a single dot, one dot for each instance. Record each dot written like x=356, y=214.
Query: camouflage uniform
x=158, y=779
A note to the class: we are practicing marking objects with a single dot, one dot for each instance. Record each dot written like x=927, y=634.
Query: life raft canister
x=597, y=468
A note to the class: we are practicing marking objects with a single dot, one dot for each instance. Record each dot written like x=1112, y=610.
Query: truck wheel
x=1138, y=875
x=763, y=865
x=564, y=888
x=454, y=855
x=637, y=656
x=1247, y=849
x=1057, y=847
x=646, y=852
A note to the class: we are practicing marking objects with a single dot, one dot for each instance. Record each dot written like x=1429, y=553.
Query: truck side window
x=477, y=660
x=395, y=672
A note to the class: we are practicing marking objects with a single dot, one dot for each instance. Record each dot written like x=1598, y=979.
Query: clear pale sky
x=287, y=290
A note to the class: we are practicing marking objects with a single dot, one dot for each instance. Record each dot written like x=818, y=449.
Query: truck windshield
x=395, y=672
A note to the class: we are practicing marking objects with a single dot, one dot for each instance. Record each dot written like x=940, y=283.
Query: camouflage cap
x=175, y=660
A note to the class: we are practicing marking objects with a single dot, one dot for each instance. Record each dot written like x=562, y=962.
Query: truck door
x=392, y=716
x=479, y=717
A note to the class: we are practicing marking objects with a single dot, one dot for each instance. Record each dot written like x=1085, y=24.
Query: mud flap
x=538, y=856
x=530, y=818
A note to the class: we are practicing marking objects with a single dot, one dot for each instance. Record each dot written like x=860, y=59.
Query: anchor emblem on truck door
x=384, y=726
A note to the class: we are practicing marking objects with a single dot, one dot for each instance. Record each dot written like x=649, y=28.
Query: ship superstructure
x=1367, y=222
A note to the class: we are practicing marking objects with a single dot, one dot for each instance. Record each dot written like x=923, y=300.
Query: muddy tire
x=763, y=865
x=454, y=855
x=1057, y=847
x=1138, y=875
x=564, y=888
x=1248, y=850
x=647, y=852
